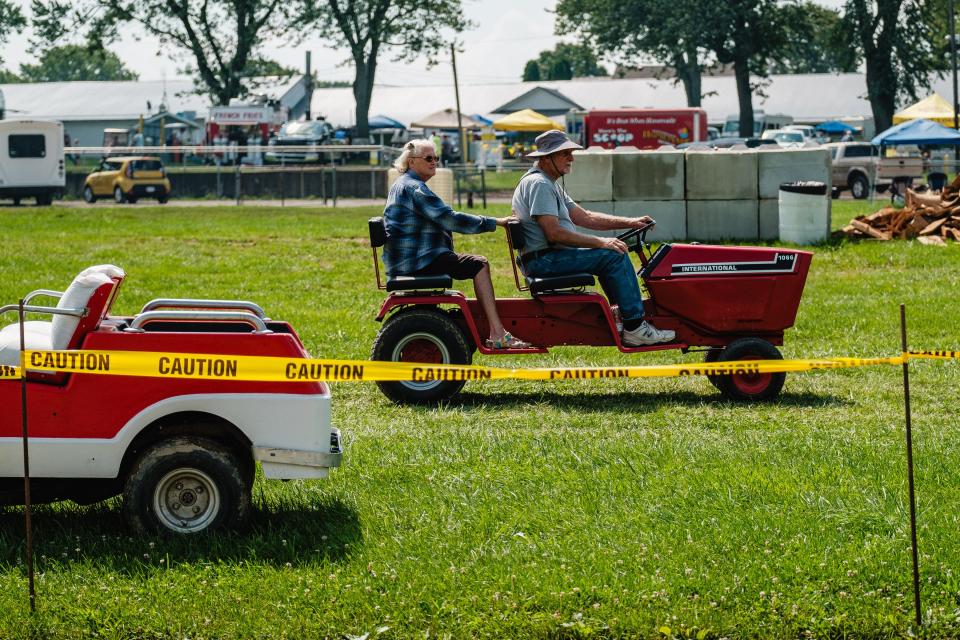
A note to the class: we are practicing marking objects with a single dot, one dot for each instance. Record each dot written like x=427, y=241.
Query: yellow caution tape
x=273, y=369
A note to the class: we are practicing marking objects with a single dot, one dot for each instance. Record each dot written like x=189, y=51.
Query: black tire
x=131, y=200
x=421, y=335
x=44, y=200
x=88, y=195
x=859, y=186
x=748, y=387
x=118, y=195
x=163, y=199
x=186, y=485
x=16, y=202
x=712, y=356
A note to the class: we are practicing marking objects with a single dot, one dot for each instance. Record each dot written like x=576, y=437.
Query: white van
x=761, y=122
x=31, y=160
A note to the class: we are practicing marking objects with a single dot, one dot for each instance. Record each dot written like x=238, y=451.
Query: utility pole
x=456, y=90
x=308, y=87
x=953, y=58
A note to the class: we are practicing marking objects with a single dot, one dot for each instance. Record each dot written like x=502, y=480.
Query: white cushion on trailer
x=10, y=345
x=76, y=296
x=110, y=270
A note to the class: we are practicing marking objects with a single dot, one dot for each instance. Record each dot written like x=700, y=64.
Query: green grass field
x=615, y=508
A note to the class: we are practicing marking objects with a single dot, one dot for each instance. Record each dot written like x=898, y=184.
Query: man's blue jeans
x=613, y=269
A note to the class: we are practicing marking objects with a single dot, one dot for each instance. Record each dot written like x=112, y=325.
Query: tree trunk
x=741, y=71
x=362, y=93
x=688, y=70
x=882, y=90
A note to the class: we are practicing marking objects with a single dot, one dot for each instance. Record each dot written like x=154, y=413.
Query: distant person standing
x=847, y=136
x=446, y=149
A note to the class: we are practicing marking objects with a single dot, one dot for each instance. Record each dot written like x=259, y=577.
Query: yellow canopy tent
x=931, y=108
x=525, y=120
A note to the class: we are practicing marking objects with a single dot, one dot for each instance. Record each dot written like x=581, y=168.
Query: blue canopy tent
x=918, y=131
x=384, y=122
x=835, y=126
x=479, y=118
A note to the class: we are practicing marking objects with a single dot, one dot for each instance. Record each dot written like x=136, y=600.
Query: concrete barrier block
x=769, y=219
x=776, y=166
x=671, y=217
x=592, y=176
x=442, y=183
x=713, y=220
x=648, y=175
x=721, y=175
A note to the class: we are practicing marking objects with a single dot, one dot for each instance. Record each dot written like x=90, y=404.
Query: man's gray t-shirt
x=538, y=195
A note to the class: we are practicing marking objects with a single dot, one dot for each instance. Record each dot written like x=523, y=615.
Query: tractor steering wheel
x=630, y=234
x=636, y=240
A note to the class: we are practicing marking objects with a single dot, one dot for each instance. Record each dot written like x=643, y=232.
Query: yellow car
x=128, y=178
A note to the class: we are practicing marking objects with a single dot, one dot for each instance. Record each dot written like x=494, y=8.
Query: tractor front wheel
x=749, y=387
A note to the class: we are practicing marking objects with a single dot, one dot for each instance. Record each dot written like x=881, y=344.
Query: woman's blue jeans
x=613, y=269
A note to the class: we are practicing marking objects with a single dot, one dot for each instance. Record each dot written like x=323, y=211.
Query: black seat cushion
x=554, y=283
x=418, y=283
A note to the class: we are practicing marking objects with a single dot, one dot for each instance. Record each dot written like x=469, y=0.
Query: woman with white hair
x=420, y=243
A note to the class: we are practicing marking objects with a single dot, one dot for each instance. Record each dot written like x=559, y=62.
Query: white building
x=810, y=98
x=87, y=108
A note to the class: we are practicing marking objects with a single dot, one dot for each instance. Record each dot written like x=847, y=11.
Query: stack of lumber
x=930, y=218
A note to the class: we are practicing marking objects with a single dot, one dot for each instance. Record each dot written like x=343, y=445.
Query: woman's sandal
x=507, y=341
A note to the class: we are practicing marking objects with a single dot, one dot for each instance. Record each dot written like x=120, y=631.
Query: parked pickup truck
x=857, y=165
x=182, y=451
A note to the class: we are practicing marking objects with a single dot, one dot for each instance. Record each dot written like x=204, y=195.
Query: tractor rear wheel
x=421, y=335
x=750, y=387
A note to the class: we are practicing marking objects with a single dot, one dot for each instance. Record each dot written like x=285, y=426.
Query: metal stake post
x=333, y=185
x=283, y=181
x=913, y=501
x=27, y=515
x=483, y=185
x=236, y=182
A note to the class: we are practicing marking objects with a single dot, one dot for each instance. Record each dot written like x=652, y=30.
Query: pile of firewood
x=930, y=218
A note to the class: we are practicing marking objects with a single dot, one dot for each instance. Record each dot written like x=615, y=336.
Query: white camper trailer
x=31, y=160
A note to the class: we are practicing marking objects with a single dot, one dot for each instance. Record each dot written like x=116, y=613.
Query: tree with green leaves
x=816, y=41
x=564, y=62
x=221, y=40
x=11, y=21
x=75, y=62
x=669, y=31
x=410, y=28
x=897, y=41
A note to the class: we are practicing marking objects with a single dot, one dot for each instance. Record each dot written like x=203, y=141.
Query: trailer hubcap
x=186, y=500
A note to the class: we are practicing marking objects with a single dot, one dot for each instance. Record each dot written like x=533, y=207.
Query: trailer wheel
x=44, y=200
x=118, y=195
x=750, y=387
x=88, y=195
x=421, y=335
x=163, y=199
x=859, y=186
x=186, y=485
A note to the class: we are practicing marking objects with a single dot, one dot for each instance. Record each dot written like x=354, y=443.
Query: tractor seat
x=556, y=283
x=419, y=283
x=538, y=286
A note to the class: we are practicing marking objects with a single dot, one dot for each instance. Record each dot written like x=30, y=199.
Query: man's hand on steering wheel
x=615, y=244
x=643, y=221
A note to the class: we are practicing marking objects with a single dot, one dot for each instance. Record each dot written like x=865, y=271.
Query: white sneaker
x=646, y=334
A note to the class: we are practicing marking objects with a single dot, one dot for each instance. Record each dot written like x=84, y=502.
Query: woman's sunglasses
x=429, y=158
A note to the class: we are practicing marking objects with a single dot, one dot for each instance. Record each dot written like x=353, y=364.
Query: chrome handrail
x=79, y=313
x=42, y=292
x=204, y=316
x=192, y=303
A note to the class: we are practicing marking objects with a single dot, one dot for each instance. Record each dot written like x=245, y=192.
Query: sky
x=508, y=33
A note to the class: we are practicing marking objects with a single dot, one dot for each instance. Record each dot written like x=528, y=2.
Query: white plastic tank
x=804, y=212
x=441, y=184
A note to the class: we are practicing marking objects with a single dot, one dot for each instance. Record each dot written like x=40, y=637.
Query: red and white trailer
x=182, y=452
